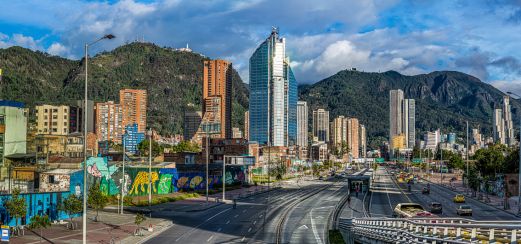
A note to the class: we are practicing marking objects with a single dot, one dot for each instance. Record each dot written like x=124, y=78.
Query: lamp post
x=467, y=157
x=519, y=170
x=224, y=177
x=85, y=114
x=123, y=184
x=150, y=171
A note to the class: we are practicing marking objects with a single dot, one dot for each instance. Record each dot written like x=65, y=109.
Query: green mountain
x=173, y=80
x=444, y=99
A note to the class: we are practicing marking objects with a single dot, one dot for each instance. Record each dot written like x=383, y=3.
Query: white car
x=464, y=210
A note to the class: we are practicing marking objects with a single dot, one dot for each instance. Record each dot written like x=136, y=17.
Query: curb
x=167, y=224
x=498, y=208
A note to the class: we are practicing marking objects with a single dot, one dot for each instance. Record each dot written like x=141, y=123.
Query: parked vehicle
x=410, y=210
x=459, y=198
x=464, y=210
x=436, y=207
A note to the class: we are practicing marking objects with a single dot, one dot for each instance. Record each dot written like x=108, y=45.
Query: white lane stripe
x=314, y=228
x=236, y=216
x=209, y=238
x=249, y=230
x=219, y=230
x=197, y=227
x=227, y=222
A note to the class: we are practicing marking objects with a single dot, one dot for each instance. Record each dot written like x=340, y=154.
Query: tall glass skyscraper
x=273, y=94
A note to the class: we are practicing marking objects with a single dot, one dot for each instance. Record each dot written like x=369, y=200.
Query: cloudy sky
x=479, y=37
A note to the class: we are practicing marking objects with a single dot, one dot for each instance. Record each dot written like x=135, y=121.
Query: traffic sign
x=5, y=233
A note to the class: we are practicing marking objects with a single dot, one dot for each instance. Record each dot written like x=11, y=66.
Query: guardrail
x=433, y=230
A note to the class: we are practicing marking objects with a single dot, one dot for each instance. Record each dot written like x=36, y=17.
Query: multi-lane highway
x=300, y=212
x=386, y=193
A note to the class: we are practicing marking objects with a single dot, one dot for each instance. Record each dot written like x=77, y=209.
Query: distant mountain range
x=444, y=99
x=173, y=80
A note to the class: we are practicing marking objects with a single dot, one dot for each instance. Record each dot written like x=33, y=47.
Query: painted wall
x=61, y=182
x=164, y=180
x=37, y=204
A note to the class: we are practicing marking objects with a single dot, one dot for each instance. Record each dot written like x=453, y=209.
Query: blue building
x=451, y=138
x=132, y=138
x=273, y=94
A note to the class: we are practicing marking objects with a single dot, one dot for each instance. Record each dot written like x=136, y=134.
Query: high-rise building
x=217, y=97
x=302, y=124
x=132, y=138
x=353, y=137
x=75, y=119
x=363, y=141
x=236, y=133
x=338, y=134
x=52, y=120
x=192, y=121
x=321, y=125
x=273, y=94
x=432, y=139
x=91, y=116
x=395, y=115
x=499, y=126
x=134, y=108
x=510, y=140
x=247, y=125
x=109, y=124
x=13, y=129
x=451, y=138
x=409, y=122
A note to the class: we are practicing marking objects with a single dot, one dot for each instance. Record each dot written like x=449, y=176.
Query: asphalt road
x=253, y=222
x=387, y=193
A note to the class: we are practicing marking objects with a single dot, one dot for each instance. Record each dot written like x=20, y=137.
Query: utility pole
x=150, y=171
x=123, y=184
x=207, y=159
x=467, y=157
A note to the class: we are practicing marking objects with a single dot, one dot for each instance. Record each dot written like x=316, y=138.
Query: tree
x=473, y=179
x=39, y=223
x=143, y=148
x=491, y=160
x=16, y=205
x=97, y=200
x=71, y=205
x=456, y=162
x=140, y=218
x=186, y=146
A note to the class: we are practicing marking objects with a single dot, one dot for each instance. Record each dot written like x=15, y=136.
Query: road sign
x=417, y=160
x=5, y=233
x=380, y=160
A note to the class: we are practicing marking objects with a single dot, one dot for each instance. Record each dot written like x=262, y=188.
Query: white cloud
x=508, y=86
x=58, y=49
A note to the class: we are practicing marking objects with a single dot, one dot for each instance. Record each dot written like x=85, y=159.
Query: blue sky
x=478, y=37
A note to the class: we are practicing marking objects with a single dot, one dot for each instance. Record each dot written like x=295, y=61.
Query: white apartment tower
x=302, y=124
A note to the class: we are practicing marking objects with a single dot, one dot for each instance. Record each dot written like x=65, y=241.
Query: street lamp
x=519, y=170
x=84, y=217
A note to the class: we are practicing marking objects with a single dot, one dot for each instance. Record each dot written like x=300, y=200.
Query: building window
x=52, y=180
x=55, y=110
x=2, y=120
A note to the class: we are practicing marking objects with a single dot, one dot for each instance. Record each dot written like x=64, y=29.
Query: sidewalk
x=458, y=187
x=110, y=226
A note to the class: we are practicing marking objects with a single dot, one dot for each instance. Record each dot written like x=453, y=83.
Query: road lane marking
x=236, y=216
x=251, y=206
x=219, y=230
x=209, y=238
x=314, y=228
x=254, y=222
x=249, y=230
x=227, y=222
x=244, y=237
x=244, y=211
x=197, y=227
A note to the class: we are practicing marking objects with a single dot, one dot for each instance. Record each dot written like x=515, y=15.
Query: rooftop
x=7, y=103
x=61, y=171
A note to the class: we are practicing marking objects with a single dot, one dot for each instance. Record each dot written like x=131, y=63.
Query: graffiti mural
x=164, y=180
x=165, y=183
x=141, y=180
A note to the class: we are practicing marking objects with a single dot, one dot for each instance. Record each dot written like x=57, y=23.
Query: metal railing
x=432, y=230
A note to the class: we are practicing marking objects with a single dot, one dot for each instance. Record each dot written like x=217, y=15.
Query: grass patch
x=160, y=200
x=335, y=237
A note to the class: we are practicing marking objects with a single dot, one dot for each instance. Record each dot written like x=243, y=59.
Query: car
x=436, y=207
x=464, y=210
x=426, y=190
x=459, y=198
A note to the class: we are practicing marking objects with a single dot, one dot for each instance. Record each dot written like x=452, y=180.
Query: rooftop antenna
x=274, y=30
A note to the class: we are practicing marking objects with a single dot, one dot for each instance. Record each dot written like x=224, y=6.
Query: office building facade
x=338, y=133
x=132, y=138
x=302, y=124
x=499, y=126
x=409, y=122
x=321, y=125
x=395, y=115
x=353, y=137
x=273, y=94
x=217, y=97
x=510, y=140
x=247, y=125
x=363, y=141
x=133, y=105
x=192, y=121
